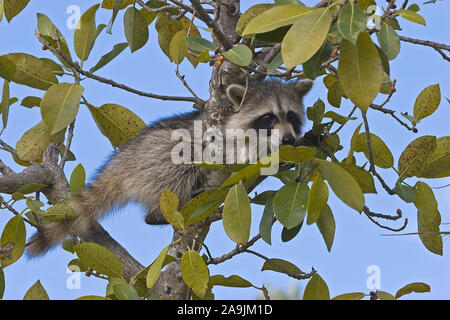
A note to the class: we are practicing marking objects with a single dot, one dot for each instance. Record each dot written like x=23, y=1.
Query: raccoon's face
x=270, y=105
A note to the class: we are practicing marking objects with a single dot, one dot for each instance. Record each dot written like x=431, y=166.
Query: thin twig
x=112, y=82
x=185, y=84
x=370, y=215
x=68, y=144
x=436, y=46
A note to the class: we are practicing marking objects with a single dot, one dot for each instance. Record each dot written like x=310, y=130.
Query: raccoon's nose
x=288, y=139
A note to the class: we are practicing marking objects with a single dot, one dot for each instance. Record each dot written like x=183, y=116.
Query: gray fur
x=143, y=167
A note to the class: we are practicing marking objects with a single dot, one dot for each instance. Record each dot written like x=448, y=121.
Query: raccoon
x=144, y=166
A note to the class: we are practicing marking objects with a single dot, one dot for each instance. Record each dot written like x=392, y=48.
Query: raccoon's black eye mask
x=266, y=121
x=294, y=120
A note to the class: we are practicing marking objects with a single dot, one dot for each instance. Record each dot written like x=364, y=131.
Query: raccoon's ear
x=235, y=93
x=302, y=87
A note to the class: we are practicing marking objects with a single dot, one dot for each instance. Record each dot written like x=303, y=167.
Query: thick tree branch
x=436, y=46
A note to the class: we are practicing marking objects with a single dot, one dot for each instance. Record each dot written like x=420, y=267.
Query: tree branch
x=436, y=46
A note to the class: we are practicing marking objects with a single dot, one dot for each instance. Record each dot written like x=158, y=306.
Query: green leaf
x=155, y=268
x=35, y=206
x=337, y=117
x=5, y=103
x=289, y=234
x=13, y=7
x=86, y=33
x=100, y=259
x=405, y=192
x=203, y=205
x=36, y=292
x=418, y=287
x=415, y=155
x=7, y=68
x=77, y=181
x=276, y=62
x=360, y=70
x=59, y=105
x=428, y=218
x=351, y=21
x=233, y=281
x=262, y=198
x=59, y=212
x=306, y=36
x=91, y=297
x=168, y=202
x=289, y=204
x=427, y=102
x=316, y=289
x=282, y=266
x=350, y=296
x=240, y=55
x=31, y=102
x=296, y=154
x=317, y=199
x=31, y=188
x=389, y=41
x=35, y=141
x=265, y=225
x=104, y=60
x=327, y=226
x=312, y=67
x=136, y=29
x=411, y=16
x=178, y=47
x=274, y=18
x=237, y=215
x=117, y=123
x=200, y=44
x=125, y=291
x=343, y=184
x=195, y=273
x=31, y=71
x=382, y=156
x=14, y=234
x=437, y=164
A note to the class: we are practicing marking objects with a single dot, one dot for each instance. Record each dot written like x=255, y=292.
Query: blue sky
x=358, y=243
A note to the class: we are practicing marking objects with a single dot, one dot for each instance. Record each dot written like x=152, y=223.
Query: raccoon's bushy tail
x=92, y=204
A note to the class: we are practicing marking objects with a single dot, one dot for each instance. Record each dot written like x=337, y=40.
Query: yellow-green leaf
x=136, y=29
x=428, y=218
x=31, y=71
x=363, y=177
x=178, y=47
x=382, y=295
x=415, y=155
x=327, y=226
x=86, y=33
x=117, y=123
x=418, y=287
x=195, y=273
x=437, y=164
x=427, y=101
x=105, y=59
x=316, y=289
x=59, y=105
x=289, y=204
x=14, y=234
x=59, y=212
x=34, y=142
x=237, y=215
x=168, y=202
x=297, y=154
x=350, y=296
x=13, y=7
x=317, y=199
x=203, y=205
x=280, y=265
x=4, y=104
x=411, y=16
x=360, y=70
x=100, y=259
x=109, y=4
x=250, y=14
x=77, y=181
x=382, y=156
x=233, y=281
x=7, y=68
x=155, y=268
x=306, y=36
x=274, y=18
x=36, y=292
x=343, y=184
